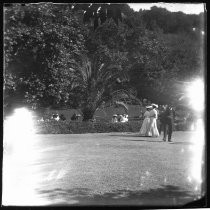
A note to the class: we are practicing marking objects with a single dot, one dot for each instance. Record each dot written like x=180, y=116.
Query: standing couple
x=149, y=126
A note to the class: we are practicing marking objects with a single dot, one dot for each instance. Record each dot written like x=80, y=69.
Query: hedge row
x=70, y=127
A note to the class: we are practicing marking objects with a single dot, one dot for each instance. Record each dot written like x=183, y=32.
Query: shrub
x=52, y=127
x=69, y=127
x=76, y=127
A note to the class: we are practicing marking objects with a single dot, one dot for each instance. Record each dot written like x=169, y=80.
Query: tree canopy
x=77, y=55
x=42, y=42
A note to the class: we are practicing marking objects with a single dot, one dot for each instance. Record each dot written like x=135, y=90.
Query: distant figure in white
x=153, y=122
x=114, y=118
x=55, y=117
x=144, y=131
x=123, y=118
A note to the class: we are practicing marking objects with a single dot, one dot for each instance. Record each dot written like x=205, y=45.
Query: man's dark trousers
x=168, y=128
x=161, y=126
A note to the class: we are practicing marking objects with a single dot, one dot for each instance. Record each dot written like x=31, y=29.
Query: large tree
x=171, y=22
x=98, y=13
x=50, y=61
x=42, y=42
x=160, y=58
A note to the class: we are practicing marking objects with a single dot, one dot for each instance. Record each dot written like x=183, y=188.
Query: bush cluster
x=70, y=127
x=74, y=127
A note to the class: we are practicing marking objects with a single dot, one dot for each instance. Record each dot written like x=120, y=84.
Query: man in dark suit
x=161, y=113
x=168, y=122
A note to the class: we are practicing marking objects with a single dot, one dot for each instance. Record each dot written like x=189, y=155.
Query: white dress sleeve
x=146, y=114
x=153, y=113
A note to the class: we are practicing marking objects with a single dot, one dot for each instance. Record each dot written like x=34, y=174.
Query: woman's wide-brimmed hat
x=114, y=115
x=155, y=105
x=148, y=107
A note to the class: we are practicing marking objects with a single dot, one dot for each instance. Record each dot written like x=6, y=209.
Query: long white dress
x=145, y=125
x=153, y=123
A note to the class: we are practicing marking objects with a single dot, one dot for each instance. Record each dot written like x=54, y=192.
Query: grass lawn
x=105, y=169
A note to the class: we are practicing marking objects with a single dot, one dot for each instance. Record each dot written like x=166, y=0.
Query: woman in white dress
x=153, y=122
x=145, y=125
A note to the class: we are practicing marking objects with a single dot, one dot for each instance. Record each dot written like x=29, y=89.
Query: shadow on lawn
x=147, y=140
x=161, y=141
x=183, y=143
x=168, y=195
x=126, y=135
x=150, y=139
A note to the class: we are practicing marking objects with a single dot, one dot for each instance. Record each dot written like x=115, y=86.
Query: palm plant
x=94, y=82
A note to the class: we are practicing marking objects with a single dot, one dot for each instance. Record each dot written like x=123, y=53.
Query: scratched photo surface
x=104, y=104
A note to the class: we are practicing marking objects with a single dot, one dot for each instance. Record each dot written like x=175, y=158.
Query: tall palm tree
x=94, y=81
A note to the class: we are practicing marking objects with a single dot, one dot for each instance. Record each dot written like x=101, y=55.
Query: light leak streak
x=197, y=154
x=20, y=178
x=197, y=149
x=195, y=92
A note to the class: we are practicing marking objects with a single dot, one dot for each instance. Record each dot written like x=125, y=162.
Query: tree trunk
x=88, y=114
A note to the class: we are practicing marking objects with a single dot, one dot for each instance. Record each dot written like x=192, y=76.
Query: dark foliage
x=53, y=57
x=99, y=13
x=75, y=127
x=70, y=127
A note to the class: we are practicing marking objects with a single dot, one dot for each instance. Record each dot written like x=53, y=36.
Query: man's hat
x=114, y=115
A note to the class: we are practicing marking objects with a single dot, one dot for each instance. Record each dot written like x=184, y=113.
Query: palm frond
x=108, y=70
x=125, y=95
x=121, y=104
